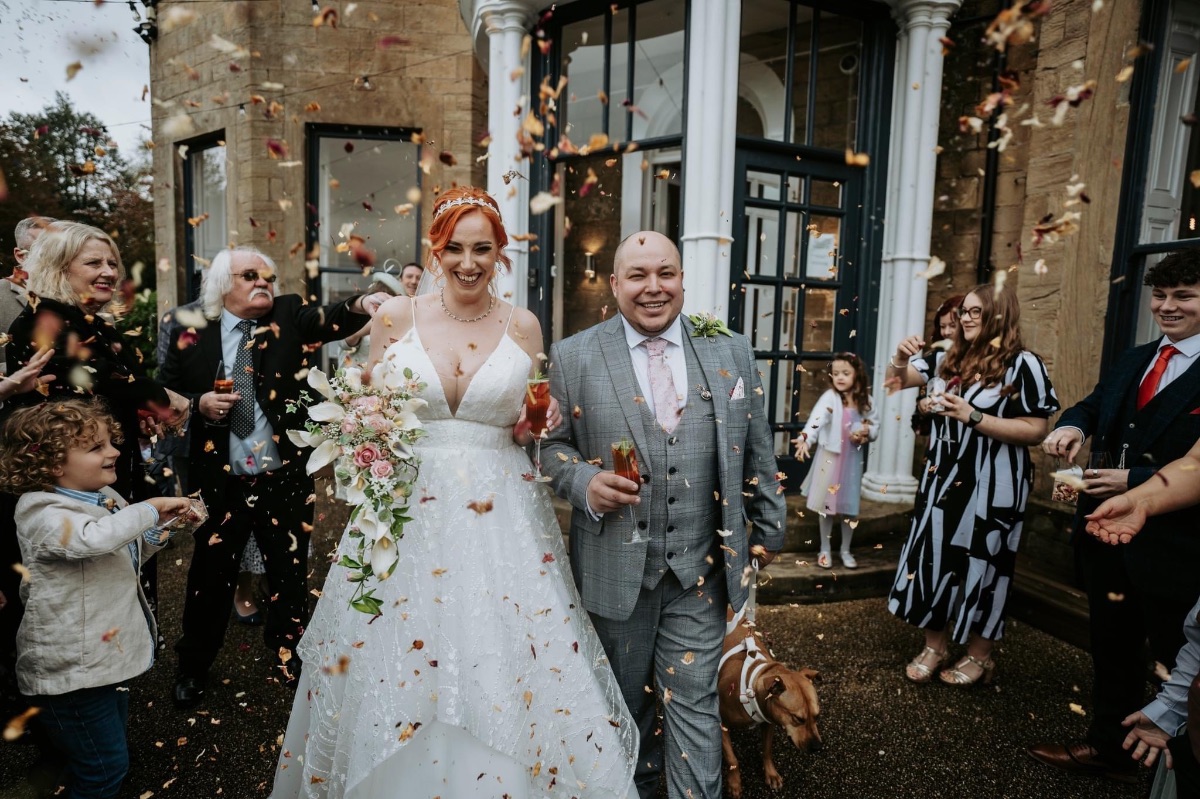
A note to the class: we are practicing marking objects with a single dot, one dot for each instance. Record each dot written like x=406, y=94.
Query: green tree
x=60, y=162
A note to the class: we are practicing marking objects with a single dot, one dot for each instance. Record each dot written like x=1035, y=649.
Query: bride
x=483, y=677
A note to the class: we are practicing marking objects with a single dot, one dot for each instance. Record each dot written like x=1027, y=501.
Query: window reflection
x=777, y=46
x=631, y=192
x=362, y=188
x=207, y=228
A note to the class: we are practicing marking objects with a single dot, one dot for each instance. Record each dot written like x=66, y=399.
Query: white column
x=506, y=22
x=912, y=169
x=707, y=228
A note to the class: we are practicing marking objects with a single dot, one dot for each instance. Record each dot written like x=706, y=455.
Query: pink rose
x=365, y=455
x=367, y=404
x=381, y=469
x=349, y=426
x=378, y=423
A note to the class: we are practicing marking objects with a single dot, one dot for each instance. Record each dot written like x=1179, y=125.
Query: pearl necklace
x=484, y=315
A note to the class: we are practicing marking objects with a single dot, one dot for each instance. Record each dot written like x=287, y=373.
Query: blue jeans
x=88, y=727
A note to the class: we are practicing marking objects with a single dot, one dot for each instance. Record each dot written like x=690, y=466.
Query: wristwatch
x=975, y=418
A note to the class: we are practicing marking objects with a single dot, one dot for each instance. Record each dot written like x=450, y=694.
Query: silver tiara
x=463, y=201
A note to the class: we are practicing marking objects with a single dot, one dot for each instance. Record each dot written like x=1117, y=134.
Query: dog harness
x=752, y=666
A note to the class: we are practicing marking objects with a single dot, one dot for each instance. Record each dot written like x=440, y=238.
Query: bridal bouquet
x=367, y=431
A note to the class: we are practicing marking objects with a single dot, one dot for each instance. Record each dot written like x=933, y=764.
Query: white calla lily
x=400, y=448
x=326, y=412
x=353, y=377
x=318, y=380
x=383, y=557
x=406, y=417
x=322, y=456
x=303, y=438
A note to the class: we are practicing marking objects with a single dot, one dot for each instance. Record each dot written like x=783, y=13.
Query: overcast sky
x=40, y=38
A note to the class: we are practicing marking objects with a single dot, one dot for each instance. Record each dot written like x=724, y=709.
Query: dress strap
x=412, y=302
x=507, y=324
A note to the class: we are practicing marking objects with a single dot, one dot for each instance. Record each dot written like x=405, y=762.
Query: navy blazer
x=1165, y=557
x=288, y=335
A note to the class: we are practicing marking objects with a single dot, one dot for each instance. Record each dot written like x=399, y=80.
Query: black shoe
x=1079, y=757
x=188, y=691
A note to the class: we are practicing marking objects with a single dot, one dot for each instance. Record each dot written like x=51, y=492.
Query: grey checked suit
x=659, y=606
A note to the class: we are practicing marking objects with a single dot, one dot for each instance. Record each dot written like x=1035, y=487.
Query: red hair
x=449, y=209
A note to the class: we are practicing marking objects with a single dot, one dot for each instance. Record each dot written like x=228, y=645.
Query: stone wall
x=1062, y=308
x=428, y=79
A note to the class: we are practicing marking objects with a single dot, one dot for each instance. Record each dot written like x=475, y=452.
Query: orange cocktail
x=537, y=406
x=625, y=462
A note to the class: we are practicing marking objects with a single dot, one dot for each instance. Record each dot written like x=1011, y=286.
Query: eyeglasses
x=251, y=276
x=974, y=313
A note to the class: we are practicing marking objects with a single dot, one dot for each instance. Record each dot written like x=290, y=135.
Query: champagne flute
x=221, y=384
x=537, y=406
x=625, y=464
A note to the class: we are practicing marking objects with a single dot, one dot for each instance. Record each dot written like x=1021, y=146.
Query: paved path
x=883, y=736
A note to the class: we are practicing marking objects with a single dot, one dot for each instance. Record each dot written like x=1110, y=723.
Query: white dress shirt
x=1180, y=362
x=673, y=356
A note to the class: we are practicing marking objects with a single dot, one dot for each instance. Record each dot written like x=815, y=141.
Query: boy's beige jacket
x=87, y=622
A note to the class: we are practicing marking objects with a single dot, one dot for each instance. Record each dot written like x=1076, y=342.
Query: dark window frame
x=543, y=166
x=876, y=67
x=313, y=133
x=1129, y=255
x=191, y=277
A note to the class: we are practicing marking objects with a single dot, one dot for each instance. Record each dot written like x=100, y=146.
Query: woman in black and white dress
x=955, y=572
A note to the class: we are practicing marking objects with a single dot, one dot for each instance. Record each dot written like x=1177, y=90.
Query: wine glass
x=625, y=464
x=1096, y=461
x=537, y=405
x=935, y=389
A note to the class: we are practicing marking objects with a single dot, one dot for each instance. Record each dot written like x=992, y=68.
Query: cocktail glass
x=537, y=406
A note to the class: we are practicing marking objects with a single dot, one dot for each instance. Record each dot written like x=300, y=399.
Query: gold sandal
x=957, y=677
x=917, y=671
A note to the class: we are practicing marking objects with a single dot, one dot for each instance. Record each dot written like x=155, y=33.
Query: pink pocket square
x=739, y=390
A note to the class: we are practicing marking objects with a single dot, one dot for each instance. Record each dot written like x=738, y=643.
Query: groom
x=692, y=406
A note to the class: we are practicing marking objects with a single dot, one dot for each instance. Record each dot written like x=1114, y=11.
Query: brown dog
x=775, y=695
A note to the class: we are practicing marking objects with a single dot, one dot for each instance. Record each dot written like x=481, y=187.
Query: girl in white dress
x=842, y=422
x=483, y=675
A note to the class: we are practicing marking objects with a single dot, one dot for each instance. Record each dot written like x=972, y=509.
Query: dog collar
x=752, y=666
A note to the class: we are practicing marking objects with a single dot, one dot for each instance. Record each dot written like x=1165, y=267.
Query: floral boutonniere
x=708, y=326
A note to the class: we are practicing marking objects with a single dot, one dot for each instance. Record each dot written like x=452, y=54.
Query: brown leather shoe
x=1079, y=757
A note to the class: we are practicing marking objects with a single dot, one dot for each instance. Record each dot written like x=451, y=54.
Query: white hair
x=218, y=280
x=27, y=230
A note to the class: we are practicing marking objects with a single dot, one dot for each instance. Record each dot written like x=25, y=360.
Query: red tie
x=1150, y=383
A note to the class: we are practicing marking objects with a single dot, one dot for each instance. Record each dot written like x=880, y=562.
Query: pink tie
x=662, y=385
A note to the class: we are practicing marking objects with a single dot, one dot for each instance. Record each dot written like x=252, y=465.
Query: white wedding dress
x=483, y=677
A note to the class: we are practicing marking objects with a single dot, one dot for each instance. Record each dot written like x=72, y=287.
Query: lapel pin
x=705, y=394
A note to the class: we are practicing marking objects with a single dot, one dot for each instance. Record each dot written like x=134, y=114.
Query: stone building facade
x=809, y=159
x=275, y=131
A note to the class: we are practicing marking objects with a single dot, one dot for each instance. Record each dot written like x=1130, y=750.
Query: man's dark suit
x=1143, y=589
x=277, y=506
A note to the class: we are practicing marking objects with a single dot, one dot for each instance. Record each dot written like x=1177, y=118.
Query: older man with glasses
x=246, y=469
x=12, y=288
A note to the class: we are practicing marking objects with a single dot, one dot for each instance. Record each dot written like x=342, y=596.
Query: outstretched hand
x=1117, y=520
x=1065, y=442
x=1149, y=738
x=28, y=377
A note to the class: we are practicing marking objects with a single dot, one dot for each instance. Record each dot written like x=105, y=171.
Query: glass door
x=796, y=259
